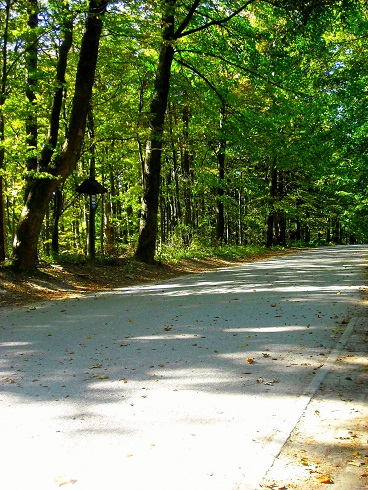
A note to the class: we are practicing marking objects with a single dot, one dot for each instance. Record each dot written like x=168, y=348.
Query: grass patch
x=172, y=254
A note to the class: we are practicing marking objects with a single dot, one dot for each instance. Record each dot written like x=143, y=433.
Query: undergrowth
x=173, y=254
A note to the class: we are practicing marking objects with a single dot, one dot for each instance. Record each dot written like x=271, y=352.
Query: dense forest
x=132, y=126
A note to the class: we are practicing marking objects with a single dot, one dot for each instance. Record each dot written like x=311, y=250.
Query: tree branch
x=242, y=68
x=203, y=77
x=65, y=46
x=216, y=22
x=187, y=19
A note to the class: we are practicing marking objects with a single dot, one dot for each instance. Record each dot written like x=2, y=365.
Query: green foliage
x=174, y=253
x=291, y=82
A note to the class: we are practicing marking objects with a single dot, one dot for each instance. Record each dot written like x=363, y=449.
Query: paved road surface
x=194, y=383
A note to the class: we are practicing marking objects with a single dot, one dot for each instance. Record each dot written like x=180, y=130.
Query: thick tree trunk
x=41, y=189
x=146, y=247
x=30, y=223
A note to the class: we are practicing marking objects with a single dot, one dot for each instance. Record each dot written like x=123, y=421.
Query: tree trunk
x=220, y=224
x=328, y=230
x=31, y=62
x=58, y=208
x=146, y=247
x=92, y=202
x=30, y=223
x=271, y=214
x=4, y=72
x=187, y=234
x=41, y=189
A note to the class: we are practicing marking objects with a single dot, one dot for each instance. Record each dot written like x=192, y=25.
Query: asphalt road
x=194, y=383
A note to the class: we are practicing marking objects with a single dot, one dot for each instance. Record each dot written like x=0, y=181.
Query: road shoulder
x=329, y=443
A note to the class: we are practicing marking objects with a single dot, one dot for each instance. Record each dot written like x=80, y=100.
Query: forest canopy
x=210, y=122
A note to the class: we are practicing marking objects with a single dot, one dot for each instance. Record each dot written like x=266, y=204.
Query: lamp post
x=91, y=187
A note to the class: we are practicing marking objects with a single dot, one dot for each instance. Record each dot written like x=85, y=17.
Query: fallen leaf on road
x=267, y=382
x=324, y=479
x=103, y=376
x=64, y=481
x=95, y=366
x=250, y=360
x=356, y=463
x=303, y=461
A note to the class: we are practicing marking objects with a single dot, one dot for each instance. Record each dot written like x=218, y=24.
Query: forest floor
x=53, y=282
x=328, y=445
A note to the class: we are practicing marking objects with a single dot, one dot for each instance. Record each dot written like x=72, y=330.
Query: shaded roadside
x=53, y=282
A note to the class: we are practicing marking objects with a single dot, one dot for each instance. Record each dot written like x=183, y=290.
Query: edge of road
x=309, y=450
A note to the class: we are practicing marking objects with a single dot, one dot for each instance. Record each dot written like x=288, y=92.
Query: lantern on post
x=91, y=187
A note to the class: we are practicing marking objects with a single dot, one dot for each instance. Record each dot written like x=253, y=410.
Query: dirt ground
x=51, y=282
x=329, y=446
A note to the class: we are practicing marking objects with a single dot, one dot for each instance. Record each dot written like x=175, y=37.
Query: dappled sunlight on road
x=157, y=375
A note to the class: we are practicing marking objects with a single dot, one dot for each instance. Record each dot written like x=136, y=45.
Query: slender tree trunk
x=92, y=207
x=220, y=223
x=31, y=85
x=58, y=207
x=41, y=189
x=328, y=230
x=307, y=234
x=220, y=226
x=281, y=214
x=146, y=247
x=4, y=69
x=187, y=235
x=3, y=245
x=298, y=233
x=271, y=214
x=176, y=201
